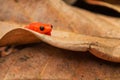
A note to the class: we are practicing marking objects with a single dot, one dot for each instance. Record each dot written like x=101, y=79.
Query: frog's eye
x=51, y=26
x=42, y=28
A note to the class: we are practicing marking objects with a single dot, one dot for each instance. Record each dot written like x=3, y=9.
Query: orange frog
x=40, y=28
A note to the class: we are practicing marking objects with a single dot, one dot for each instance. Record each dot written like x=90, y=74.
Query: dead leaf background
x=23, y=12
x=113, y=4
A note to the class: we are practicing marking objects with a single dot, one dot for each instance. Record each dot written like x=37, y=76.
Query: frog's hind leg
x=6, y=50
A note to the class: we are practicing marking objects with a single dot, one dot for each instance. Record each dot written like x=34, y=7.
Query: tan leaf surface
x=62, y=16
x=102, y=47
x=42, y=61
x=74, y=29
x=113, y=4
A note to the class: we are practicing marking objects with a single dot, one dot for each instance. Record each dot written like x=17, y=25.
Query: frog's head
x=41, y=28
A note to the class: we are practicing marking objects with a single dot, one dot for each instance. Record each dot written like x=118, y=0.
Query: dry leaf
x=42, y=61
x=62, y=16
x=104, y=48
x=74, y=29
x=113, y=4
x=70, y=1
